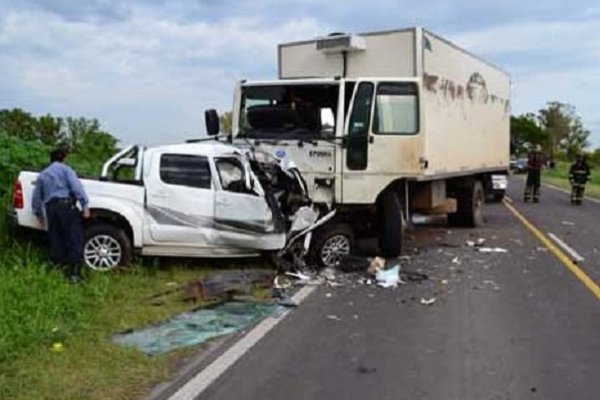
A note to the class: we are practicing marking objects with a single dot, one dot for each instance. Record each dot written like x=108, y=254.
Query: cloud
x=548, y=60
x=148, y=69
x=162, y=72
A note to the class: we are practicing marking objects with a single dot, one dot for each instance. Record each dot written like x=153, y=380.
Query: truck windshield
x=289, y=111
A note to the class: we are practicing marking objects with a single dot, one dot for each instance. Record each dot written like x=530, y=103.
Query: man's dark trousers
x=532, y=185
x=65, y=234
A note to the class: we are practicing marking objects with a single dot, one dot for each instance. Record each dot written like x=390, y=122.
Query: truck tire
x=470, y=202
x=106, y=247
x=499, y=196
x=331, y=243
x=390, y=225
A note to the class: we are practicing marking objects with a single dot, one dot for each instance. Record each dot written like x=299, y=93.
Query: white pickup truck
x=205, y=199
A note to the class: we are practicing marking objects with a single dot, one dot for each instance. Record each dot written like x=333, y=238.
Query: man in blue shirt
x=57, y=191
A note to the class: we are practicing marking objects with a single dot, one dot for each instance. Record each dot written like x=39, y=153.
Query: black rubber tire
x=469, y=211
x=328, y=232
x=117, y=234
x=390, y=225
x=499, y=196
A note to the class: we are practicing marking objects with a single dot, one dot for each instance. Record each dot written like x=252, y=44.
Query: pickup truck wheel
x=390, y=225
x=106, y=247
x=469, y=211
x=331, y=243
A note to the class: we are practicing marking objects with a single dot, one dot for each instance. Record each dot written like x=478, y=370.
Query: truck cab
x=382, y=125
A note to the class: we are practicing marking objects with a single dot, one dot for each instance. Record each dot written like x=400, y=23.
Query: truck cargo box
x=464, y=101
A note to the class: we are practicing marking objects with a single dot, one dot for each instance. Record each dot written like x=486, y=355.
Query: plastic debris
x=376, y=264
x=568, y=223
x=491, y=283
x=428, y=302
x=388, y=278
x=328, y=273
x=334, y=318
x=328, y=295
x=476, y=243
x=455, y=260
x=299, y=275
x=492, y=250
x=192, y=328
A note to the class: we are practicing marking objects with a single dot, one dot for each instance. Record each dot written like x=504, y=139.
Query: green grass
x=39, y=308
x=560, y=177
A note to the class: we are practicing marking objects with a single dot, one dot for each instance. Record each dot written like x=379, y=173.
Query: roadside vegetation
x=559, y=176
x=55, y=338
x=562, y=135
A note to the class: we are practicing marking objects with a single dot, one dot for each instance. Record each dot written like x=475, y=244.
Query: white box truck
x=381, y=125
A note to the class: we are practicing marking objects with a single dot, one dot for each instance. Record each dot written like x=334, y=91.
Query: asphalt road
x=515, y=325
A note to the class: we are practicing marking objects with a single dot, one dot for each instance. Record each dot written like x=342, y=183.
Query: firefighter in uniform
x=579, y=175
x=534, y=170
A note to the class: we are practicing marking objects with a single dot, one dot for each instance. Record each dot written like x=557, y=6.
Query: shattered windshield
x=289, y=111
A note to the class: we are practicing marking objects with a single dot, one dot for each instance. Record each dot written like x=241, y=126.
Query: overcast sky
x=147, y=70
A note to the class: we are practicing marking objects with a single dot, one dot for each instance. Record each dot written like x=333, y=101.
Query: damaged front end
x=286, y=193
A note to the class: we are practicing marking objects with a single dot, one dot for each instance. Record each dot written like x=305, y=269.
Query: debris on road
x=492, y=250
x=196, y=327
x=334, y=318
x=225, y=284
x=491, y=283
x=476, y=243
x=388, y=278
x=376, y=265
x=428, y=302
x=456, y=261
x=568, y=223
x=299, y=276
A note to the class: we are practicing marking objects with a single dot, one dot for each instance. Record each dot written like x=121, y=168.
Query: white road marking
x=566, y=248
x=198, y=384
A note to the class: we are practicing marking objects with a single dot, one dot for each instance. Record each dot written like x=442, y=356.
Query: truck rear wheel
x=106, y=247
x=390, y=225
x=331, y=243
x=470, y=202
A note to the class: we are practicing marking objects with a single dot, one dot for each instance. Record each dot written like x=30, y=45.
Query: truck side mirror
x=211, y=120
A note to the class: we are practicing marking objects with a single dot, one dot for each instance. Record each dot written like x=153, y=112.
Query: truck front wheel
x=390, y=225
x=106, y=247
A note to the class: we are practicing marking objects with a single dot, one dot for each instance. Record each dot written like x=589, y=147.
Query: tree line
x=75, y=134
x=557, y=128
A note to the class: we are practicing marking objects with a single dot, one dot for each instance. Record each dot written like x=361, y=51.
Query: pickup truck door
x=180, y=200
x=243, y=217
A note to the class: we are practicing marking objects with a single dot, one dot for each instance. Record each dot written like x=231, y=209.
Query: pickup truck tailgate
x=99, y=192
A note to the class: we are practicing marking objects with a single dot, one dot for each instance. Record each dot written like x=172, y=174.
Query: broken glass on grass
x=196, y=327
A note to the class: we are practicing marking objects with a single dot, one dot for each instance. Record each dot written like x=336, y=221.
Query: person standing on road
x=579, y=175
x=534, y=170
x=54, y=202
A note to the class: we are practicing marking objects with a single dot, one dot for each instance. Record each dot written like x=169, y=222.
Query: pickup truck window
x=231, y=175
x=396, y=109
x=185, y=170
